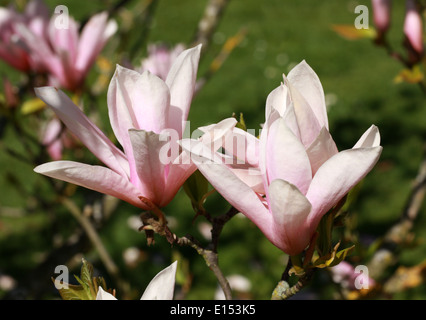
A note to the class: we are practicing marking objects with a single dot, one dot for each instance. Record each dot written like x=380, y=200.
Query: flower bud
x=381, y=14
x=413, y=27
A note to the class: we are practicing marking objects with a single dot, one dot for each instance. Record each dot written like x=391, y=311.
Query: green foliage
x=88, y=285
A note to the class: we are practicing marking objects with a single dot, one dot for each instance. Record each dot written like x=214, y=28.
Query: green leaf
x=241, y=123
x=196, y=187
x=71, y=291
x=341, y=255
x=87, y=288
x=86, y=272
x=333, y=258
x=297, y=266
x=414, y=75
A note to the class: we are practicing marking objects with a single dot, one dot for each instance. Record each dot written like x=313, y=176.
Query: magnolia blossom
x=382, y=14
x=161, y=286
x=290, y=177
x=54, y=138
x=67, y=55
x=160, y=59
x=13, y=48
x=147, y=116
x=349, y=277
x=413, y=26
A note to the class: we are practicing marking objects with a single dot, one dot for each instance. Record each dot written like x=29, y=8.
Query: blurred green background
x=358, y=80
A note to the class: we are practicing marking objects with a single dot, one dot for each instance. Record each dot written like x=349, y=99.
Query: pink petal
x=278, y=99
x=413, y=26
x=181, y=166
x=322, y=149
x=120, y=109
x=303, y=78
x=149, y=167
x=286, y=157
x=100, y=179
x=92, y=40
x=236, y=192
x=290, y=210
x=181, y=81
x=65, y=39
x=250, y=175
x=382, y=14
x=243, y=145
x=36, y=8
x=52, y=138
x=309, y=126
x=88, y=133
x=178, y=173
x=370, y=138
x=162, y=286
x=121, y=113
x=150, y=101
x=337, y=176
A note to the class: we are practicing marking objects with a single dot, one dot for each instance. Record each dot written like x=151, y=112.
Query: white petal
x=162, y=285
x=306, y=81
x=290, y=210
x=103, y=295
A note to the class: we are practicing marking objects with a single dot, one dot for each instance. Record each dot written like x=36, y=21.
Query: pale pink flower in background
x=32, y=41
x=345, y=275
x=161, y=287
x=55, y=138
x=238, y=283
x=13, y=48
x=51, y=138
x=160, y=59
x=66, y=54
x=300, y=174
x=413, y=26
x=147, y=116
x=382, y=14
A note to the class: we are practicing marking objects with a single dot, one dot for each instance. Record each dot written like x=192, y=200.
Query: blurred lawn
x=358, y=82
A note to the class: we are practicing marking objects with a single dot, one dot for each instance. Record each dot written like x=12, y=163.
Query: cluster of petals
x=289, y=177
x=148, y=117
x=34, y=41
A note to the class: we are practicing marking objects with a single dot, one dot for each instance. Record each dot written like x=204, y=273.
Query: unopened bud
x=382, y=14
x=413, y=27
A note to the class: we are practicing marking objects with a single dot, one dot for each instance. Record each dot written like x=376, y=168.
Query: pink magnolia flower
x=67, y=55
x=161, y=287
x=147, y=116
x=55, y=138
x=349, y=277
x=160, y=59
x=299, y=174
x=13, y=48
x=382, y=14
x=413, y=26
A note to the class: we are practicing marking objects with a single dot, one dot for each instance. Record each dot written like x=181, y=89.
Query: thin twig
x=212, y=261
x=97, y=242
x=209, y=22
x=218, y=224
x=385, y=256
x=283, y=291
